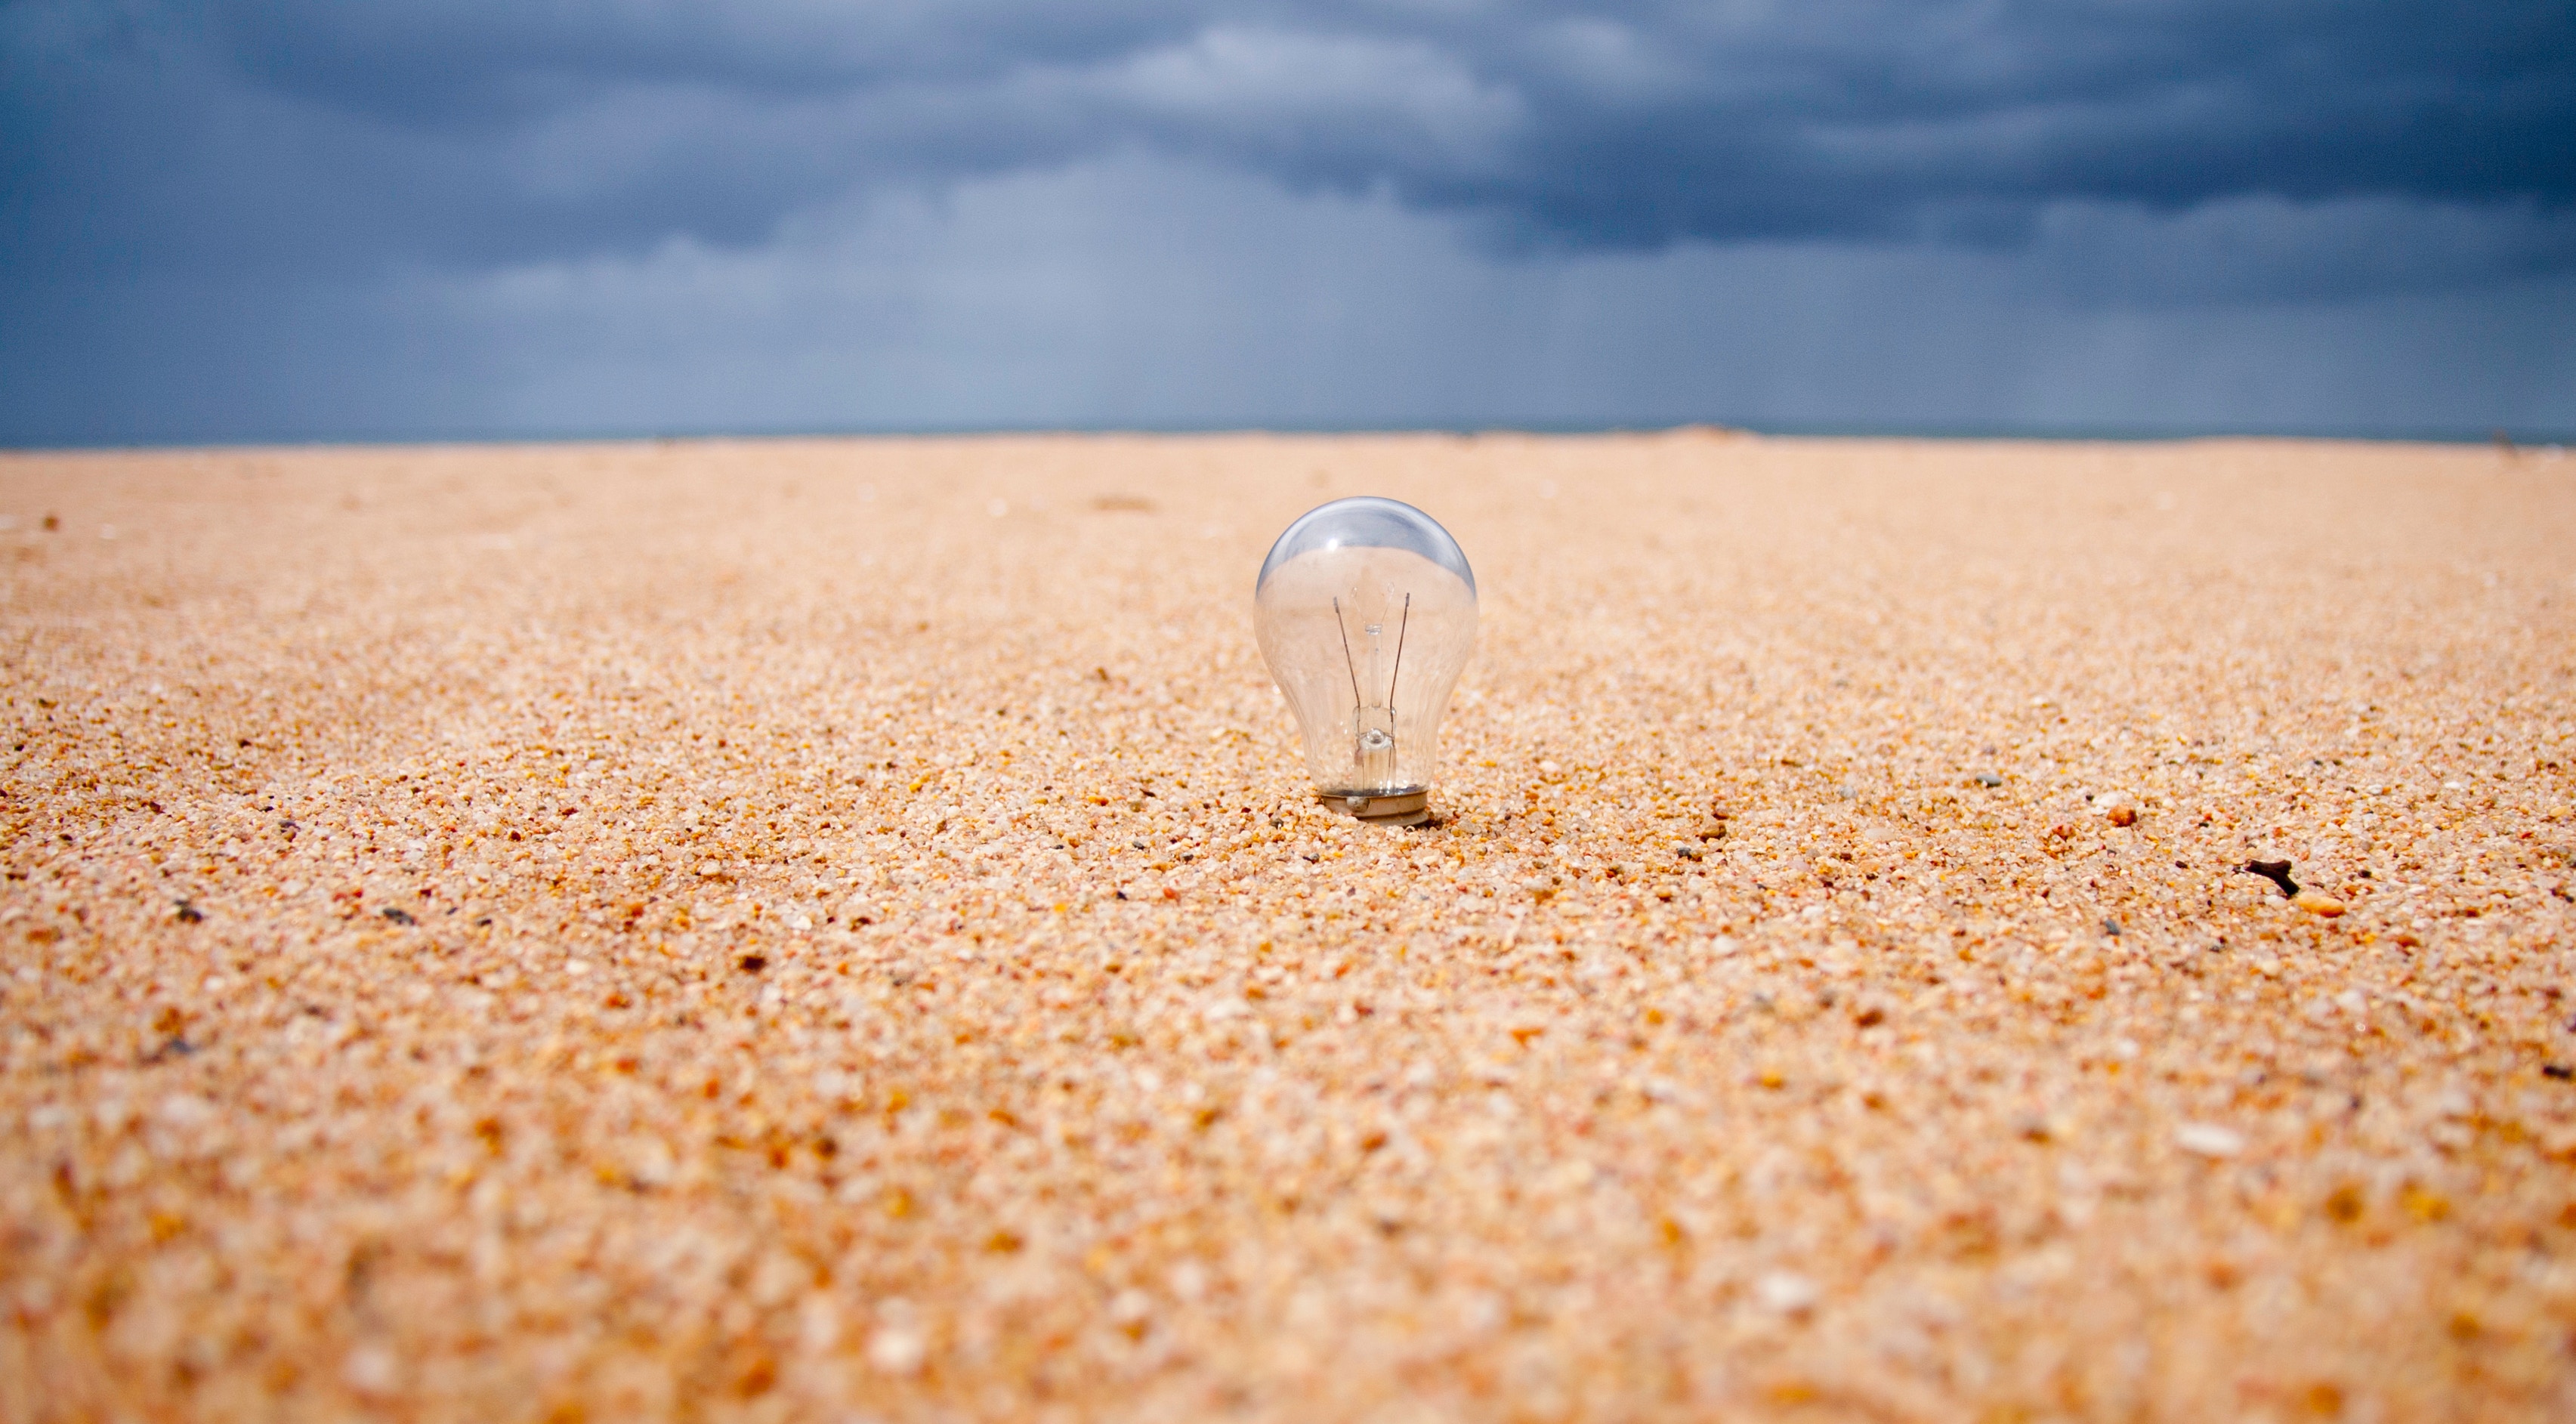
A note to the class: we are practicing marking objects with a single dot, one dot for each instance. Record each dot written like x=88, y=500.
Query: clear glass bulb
x=1366, y=613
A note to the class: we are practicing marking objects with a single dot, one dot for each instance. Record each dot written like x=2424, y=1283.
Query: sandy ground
x=838, y=931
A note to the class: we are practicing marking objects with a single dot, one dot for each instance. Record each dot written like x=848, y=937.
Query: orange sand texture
x=838, y=931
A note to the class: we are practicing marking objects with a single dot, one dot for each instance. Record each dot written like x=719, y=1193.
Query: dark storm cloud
x=308, y=136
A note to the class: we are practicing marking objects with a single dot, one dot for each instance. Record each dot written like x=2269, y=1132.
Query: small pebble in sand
x=2318, y=903
x=897, y=1350
x=2276, y=871
x=371, y=1370
x=1785, y=1293
x=2203, y=1139
x=2121, y=813
x=1131, y=1309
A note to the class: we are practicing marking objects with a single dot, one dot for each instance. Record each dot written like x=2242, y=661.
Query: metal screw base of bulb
x=1381, y=808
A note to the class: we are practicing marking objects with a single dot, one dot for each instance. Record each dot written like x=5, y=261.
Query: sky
x=333, y=219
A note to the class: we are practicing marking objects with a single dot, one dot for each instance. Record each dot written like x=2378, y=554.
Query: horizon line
x=2509, y=437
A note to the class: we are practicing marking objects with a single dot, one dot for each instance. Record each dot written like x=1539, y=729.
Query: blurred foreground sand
x=837, y=930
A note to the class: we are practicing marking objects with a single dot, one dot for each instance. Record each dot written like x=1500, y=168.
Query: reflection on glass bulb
x=1366, y=613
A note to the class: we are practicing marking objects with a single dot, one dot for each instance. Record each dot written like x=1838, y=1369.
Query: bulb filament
x=1373, y=725
x=1402, y=624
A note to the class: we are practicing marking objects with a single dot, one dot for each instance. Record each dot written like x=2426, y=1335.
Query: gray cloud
x=465, y=133
x=1138, y=291
x=243, y=218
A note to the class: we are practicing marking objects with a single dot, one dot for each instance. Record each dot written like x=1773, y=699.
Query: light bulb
x=1366, y=613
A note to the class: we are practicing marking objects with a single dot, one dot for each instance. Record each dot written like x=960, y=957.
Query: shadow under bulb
x=1366, y=613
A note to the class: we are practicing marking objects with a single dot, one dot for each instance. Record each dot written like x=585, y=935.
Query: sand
x=839, y=930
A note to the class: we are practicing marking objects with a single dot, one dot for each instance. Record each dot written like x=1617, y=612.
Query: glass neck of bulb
x=1373, y=745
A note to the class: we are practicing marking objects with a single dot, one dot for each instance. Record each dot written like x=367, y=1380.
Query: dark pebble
x=2276, y=871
